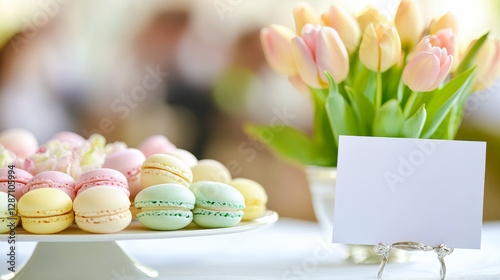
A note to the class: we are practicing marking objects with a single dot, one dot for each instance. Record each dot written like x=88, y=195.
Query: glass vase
x=322, y=183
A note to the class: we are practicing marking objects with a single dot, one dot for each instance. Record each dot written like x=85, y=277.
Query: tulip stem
x=409, y=104
x=378, y=92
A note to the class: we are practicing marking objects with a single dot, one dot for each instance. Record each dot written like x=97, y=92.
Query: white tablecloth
x=294, y=249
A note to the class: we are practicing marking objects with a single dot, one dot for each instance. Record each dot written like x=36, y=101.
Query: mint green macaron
x=218, y=205
x=8, y=212
x=165, y=206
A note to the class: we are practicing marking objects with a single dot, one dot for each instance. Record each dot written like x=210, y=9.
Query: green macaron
x=165, y=206
x=8, y=212
x=218, y=205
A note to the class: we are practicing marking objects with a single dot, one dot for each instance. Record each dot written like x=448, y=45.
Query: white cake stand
x=76, y=254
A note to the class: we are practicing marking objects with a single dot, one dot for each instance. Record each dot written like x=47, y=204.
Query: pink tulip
x=445, y=38
x=298, y=84
x=320, y=49
x=277, y=46
x=428, y=68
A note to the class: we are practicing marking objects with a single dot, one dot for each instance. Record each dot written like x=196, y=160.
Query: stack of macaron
x=168, y=186
x=174, y=184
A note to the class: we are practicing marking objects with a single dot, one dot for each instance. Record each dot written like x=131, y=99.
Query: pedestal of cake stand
x=82, y=260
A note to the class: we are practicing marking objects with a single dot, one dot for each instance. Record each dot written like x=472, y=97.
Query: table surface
x=291, y=249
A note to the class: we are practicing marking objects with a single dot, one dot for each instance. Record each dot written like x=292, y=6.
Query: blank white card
x=395, y=189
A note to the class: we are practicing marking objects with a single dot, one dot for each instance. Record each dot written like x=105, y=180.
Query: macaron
x=255, y=197
x=21, y=179
x=165, y=207
x=186, y=156
x=156, y=144
x=218, y=205
x=8, y=213
x=20, y=141
x=46, y=211
x=211, y=170
x=128, y=162
x=165, y=169
x=69, y=137
x=102, y=209
x=101, y=177
x=52, y=179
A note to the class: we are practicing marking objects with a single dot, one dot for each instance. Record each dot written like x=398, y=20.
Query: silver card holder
x=384, y=250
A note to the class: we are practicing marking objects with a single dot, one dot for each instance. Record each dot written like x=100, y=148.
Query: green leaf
x=443, y=131
x=391, y=83
x=389, y=120
x=370, y=87
x=322, y=129
x=451, y=123
x=291, y=144
x=342, y=117
x=444, y=99
x=364, y=82
x=413, y=126
x=400, y=93
x=363, y=109
x=469, y=57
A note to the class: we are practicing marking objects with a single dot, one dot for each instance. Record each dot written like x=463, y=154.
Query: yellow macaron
x=46, y=211
x=211, y=170
x=165, y=169
x=255, y=197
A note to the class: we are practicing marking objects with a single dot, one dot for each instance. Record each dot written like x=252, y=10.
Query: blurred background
x=193, y=71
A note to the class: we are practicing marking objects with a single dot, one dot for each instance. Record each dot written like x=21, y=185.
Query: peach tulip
x=428, y=67
x=345, y=25
x=445, y=38
x=488, y=64
x=448, y=20
x=304, y=13
x=409, y=23
x=320, y=49
x=380, y=47
x=277, y=45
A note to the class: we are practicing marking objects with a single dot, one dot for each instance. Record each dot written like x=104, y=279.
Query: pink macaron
x=100, y=177
x=20, y=141
x=156, y=144
x=52, y=179
x=128, y=162
x=69, y=137
x=21, y=179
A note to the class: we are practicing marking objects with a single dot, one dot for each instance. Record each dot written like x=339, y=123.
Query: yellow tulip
x=345, y=25
x=488, y=64
x=370, y=15
x=380, y=47
x=277, y=45
x=303, y=13
x=409, y=23
x=448, y=20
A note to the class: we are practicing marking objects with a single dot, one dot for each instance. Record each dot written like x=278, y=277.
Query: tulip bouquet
x=370, y=76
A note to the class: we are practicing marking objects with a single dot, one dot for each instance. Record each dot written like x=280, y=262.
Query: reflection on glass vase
x=322, y=181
